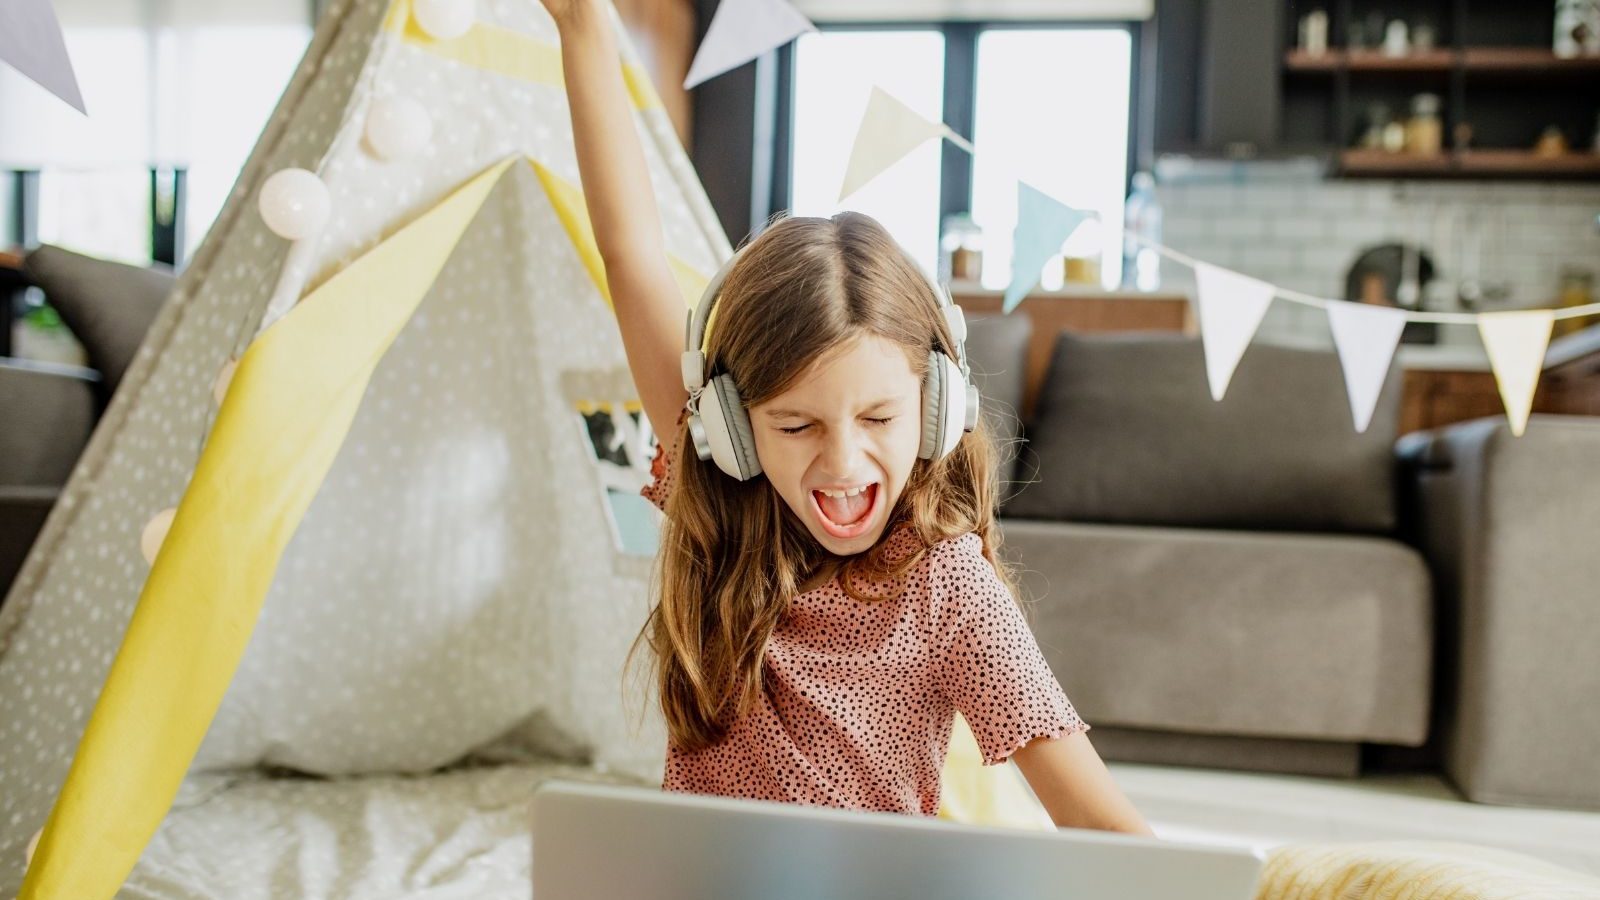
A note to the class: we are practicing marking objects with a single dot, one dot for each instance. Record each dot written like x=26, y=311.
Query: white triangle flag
x=889, y=131
x=30, y=40
x=1231, y=308
x=742, y=30
x=1366, y=337
x=1516, y=342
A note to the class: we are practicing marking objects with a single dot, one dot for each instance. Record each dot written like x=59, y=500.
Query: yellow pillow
x=974, y=794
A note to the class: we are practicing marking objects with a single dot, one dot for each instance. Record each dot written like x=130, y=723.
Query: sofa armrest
x=49, y=413
x=1511, y=528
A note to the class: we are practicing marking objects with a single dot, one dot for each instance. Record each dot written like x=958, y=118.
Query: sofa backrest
x=996, y=349
x=107, y=305
x=1126, y=432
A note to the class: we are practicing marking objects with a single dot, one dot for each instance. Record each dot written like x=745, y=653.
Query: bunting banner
x=742, y=30
x=889, y=131
x=31, y=43
x=1231, y=305
x=1231, y=309
x=1366, y=337
x=1516, y=342
x=1043, y=225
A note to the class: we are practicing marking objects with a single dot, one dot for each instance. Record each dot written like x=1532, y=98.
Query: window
x=1051, y=107
x=158, y=94
x=834, y=72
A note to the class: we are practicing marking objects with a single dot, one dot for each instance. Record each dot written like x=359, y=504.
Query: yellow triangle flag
x=1516, y=342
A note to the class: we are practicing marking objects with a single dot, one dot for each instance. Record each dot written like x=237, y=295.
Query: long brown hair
x=733, y=554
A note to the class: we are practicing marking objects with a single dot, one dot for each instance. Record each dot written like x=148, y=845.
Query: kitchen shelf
x=1469, y=163
x=1526, y=162
x=1368, y=61
x=1381, y=162
x=1525, y=60
x=1518, y=60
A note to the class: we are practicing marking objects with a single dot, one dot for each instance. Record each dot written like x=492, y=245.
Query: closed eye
x=880, y=421
x=795, y=429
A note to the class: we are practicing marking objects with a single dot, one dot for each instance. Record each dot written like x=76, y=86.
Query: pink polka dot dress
x=860, y=697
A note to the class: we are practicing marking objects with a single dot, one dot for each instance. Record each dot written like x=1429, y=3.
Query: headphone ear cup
x=935, y=394
x=727, y=426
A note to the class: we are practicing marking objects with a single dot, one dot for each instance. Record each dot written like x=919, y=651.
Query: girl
x=827, y=607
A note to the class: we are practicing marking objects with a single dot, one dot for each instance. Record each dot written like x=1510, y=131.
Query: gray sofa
x=49, y=411
x=1220, y=584
x=1512, y=528
x=1252, y=584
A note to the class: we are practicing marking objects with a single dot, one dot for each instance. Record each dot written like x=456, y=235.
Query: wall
x=1285, y=223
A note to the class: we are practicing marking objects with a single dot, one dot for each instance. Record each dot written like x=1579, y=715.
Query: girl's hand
x=566, y=12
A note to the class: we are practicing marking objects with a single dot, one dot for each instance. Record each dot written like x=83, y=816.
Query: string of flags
x=742, y=30
x=1230, y=304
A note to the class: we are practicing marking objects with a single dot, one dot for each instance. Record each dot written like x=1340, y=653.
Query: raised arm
x=622, y=207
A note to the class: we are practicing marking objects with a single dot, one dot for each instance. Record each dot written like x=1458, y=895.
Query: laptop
x=605, y=841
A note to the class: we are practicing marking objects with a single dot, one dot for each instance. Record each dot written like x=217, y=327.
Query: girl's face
x=839, y=445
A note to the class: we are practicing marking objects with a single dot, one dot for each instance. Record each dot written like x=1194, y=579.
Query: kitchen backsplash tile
x=1289, y=226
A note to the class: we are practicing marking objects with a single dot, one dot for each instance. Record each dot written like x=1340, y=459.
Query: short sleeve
x=992, y=669
x=662, y=472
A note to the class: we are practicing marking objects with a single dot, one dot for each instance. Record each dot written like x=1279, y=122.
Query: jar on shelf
x=1377, y=119
x=961, y=249
x=1424, y=130
x=1577, y=289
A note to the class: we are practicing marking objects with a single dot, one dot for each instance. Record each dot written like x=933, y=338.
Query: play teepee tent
x=404, y=530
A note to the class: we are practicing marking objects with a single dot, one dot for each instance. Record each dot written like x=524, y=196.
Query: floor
x=1261, y=811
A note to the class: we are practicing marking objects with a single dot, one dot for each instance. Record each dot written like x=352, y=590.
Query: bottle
x=1141, y=264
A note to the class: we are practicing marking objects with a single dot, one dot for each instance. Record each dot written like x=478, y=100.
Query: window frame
x=960, y=100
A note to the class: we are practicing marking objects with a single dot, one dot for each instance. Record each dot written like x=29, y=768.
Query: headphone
x=720, y=425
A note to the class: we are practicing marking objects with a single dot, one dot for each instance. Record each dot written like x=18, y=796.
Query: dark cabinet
x=1216, y=71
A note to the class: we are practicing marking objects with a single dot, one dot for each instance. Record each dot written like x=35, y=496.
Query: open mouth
x=848, y=512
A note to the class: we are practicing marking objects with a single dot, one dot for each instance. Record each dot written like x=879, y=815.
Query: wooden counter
x=1078, y=311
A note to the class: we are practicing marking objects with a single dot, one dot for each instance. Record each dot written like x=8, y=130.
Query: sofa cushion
x=108, y=305
x=1126, y=432
x=1323, y=637
x=997, y=351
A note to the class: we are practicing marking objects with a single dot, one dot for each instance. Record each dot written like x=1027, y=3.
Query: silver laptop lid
x=604, y=841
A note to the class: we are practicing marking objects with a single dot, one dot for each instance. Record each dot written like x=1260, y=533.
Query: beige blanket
x=1415, y=870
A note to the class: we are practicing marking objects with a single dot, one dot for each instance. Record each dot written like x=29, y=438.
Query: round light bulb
x=294, y=203
x=444, y=19
x=398, y=127
x=155, y=534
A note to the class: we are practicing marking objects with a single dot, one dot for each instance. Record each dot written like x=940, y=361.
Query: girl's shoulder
x=949, y=565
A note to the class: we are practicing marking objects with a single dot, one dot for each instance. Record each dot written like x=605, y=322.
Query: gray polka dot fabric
x=456, y=583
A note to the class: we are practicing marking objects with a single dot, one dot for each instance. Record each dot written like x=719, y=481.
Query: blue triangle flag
x=1043, y=225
